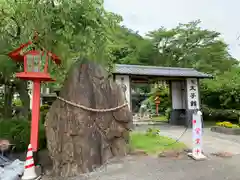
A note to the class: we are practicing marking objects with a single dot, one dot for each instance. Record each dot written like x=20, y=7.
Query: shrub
x=152, y=132
x=44, y=107
x=168, y=113
x=223, y=91
x=227, y=124
x=17, y=102
x=43, y=112
x=165, y=102
x=18, y=132
x=230, y=115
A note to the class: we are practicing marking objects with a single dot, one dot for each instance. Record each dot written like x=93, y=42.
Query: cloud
x=218, y=15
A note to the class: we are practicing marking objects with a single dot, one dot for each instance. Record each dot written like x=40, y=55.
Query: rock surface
x=80, y=140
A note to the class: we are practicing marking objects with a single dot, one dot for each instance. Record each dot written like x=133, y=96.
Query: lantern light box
x=35, y=63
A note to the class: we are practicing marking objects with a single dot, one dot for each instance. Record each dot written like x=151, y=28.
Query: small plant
x=43, y=112
x=152, y=132
x=167, y=113
x=17, y=102
x=227, y=124
x=44, y=107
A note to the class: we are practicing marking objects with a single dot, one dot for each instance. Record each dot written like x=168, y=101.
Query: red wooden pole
x=35, y=114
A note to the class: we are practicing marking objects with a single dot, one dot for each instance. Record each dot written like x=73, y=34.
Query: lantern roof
x=18, y=56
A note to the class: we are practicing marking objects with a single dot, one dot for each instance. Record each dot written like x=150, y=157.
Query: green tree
x=188, y=45
x=69, y=28
x=126, y=46
x=223, y=90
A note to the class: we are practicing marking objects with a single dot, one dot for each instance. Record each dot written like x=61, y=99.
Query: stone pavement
x=152, y=168
x=212, y=142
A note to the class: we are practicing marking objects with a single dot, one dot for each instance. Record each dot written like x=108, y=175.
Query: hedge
x=216, y=115
x=18, y=132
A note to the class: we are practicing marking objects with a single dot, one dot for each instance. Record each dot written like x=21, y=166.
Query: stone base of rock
x=230, y=131
x=199, y=157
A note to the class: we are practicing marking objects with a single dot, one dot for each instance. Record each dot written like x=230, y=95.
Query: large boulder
x=80, y=139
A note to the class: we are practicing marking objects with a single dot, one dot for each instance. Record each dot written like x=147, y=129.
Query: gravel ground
x=152, y=168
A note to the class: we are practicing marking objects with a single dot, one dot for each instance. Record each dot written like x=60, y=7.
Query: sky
x=145, y=15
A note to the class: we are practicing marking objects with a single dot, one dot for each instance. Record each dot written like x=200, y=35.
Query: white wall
x=125, y=79
x=178, y=94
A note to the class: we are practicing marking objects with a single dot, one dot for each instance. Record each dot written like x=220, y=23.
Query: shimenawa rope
x=91, y=109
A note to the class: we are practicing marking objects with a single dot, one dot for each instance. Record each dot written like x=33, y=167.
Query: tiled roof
x=158, y=71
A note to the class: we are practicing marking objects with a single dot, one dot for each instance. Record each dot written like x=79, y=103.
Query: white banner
x=192, y=93
x=197, y=133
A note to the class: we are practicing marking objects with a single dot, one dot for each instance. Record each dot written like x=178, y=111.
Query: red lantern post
x=36, y=70
x=157, y=102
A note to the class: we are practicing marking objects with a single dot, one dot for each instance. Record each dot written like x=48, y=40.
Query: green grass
x=154, y=144
x=160, y=119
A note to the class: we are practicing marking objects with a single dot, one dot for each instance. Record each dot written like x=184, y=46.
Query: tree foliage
x=223, y=90
x=68, y=28
x=73, y=29
x=188, y=45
